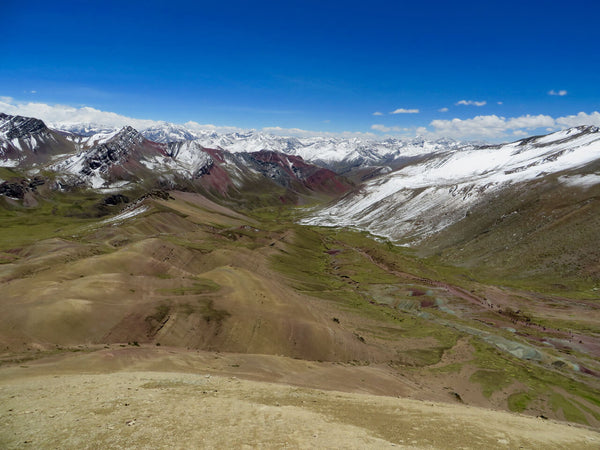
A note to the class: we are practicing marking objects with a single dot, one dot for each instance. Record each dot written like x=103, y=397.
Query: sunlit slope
x=198, y=409
x=178, y=271
x=527, y=210
x=183, y=272
x=542, y=234
x=434, y=192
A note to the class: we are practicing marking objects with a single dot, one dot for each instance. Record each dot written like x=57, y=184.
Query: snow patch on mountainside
x=93, y=140
x=83, y=129
x=323, y=150
x=581, y=181
x=9, y=162
x=168, y=132
x=190, y=156
x=328, y=151
x=127, y=214
x=425, y=197
x=91, y=165
x=185, y=158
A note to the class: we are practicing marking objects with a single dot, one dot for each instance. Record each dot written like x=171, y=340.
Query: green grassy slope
x=187, y=272
x=539, y=235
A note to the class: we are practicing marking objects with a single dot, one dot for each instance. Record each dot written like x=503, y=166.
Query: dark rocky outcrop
x=115, y=199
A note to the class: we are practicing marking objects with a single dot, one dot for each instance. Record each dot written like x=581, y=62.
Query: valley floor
x=178, y=322
x=145, y=397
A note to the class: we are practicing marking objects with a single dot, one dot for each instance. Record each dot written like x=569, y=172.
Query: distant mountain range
x=340, y=154
x=442, y=195
x=440, y=188
x=111, y=161
x=169, y=239
x=528, y=210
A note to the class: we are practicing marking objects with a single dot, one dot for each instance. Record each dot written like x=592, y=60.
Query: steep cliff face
x=26, y=141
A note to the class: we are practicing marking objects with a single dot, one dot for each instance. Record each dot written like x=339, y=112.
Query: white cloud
x=379, y=127
x=471, y=103
x=480, y=126
x=62, y=114
x=490, y=127
x=579, y=119
x=530, y=122
x=298, y=132
x=351, y=134
x=560, y=93
x=497, y=127
x=195, y=126
x=55, y=115
x=405, y=111
x=377, y=113
x=384, y=129
x=282, y=131
x=443, y=110
x=500, y=103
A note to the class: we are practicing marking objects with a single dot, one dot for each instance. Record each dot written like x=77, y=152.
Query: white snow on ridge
x=327, y=150
x=83, y=142
x=98, y=139
x=188, y=158
x=116, y=187
x=73, y=164
x=83, y=129
x=318, y=149
x=16, y=144
x=96, y=180
x=191, y=156
x=127, y=214
x=553, y=137
x=426, y=197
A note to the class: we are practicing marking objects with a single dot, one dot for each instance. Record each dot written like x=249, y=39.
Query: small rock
x=457, y=396
x=130, y=423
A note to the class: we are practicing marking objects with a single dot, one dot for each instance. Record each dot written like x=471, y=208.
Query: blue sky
x=313, y=65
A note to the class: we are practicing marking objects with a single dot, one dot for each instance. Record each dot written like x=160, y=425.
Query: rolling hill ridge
x=123, y=247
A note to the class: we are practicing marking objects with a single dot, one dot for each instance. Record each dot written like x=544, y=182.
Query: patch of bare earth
x=161, y=398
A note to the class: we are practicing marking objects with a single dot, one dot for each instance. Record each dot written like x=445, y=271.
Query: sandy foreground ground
x=76, y=401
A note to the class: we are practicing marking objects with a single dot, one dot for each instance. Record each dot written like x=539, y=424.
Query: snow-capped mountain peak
x=329, y=151
x=168, y=132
